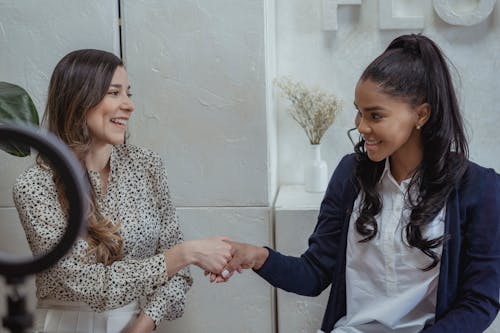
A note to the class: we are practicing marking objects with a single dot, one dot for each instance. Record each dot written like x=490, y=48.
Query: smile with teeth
x=372, y=142
x=118, y=121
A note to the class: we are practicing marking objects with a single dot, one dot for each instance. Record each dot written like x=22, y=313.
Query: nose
x=128, y=104
x=361, y=125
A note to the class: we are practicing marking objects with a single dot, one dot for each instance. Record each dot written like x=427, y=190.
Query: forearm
x=178, y=257
x=261, y=256
x=293, y=274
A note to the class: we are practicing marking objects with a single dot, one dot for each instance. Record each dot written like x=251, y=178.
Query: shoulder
x=478, y=177
x=137, y=155
x=349, y=161
x=35, y=181
x=35, y=175
x=135, y=160
x=479, y=187
x=343, y=177
x=346, y=168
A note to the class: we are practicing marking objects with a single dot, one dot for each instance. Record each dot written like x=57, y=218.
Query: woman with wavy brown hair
x=131, y=269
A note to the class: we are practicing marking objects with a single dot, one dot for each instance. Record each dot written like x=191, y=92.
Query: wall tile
x=245, y=302
x=199, y=85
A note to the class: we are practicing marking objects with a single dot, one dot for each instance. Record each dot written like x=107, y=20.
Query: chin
x=376, y=157
x=117, y=142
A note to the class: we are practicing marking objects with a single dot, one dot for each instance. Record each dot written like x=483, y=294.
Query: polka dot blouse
x=137, y=196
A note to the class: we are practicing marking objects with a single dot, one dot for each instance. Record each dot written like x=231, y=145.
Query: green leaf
x=16, y=107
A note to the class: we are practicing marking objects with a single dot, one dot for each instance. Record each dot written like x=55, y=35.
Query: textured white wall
x=198, y=73
x=33, y=37
x=246, y=302
x=32, y=40
x=334, y=60
x=199, y=84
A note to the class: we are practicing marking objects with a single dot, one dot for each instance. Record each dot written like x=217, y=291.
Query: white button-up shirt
x=387, y=290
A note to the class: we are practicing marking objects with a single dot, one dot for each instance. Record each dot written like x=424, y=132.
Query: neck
x=405, y=162
x=97, y=157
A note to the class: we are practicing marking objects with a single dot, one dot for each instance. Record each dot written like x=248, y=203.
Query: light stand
x=16, y=269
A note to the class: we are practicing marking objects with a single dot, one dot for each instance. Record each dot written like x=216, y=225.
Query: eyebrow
x=118, y=86
x=371, y=108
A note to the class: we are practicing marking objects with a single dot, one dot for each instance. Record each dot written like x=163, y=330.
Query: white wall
x=201, y=75
x=33, y=37
x=198, y=75
x=199, y=81
x=334, y=60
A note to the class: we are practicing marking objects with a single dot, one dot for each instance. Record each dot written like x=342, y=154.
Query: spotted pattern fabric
x=138, y=198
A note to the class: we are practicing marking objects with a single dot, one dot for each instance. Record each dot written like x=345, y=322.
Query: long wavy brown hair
x=79, y=83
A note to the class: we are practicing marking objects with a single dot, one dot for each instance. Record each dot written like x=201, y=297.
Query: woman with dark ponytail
x=130, y=271
x=408, y=233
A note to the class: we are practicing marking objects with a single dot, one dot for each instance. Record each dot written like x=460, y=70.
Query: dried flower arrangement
x=313, y=109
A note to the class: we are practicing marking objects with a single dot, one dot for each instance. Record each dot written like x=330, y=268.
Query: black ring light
x=77, y=188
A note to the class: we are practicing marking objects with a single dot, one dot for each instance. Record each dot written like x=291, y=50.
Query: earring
x=418, y=127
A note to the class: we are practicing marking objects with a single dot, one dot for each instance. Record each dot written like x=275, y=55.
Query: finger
x=224, y=238
x=219, y=279
x=225, y=274
x=234, y=264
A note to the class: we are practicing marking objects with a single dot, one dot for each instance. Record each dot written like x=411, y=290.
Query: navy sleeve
x=312, y=272
x=477, y=303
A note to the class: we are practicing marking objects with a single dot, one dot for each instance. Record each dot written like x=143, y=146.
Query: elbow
x=313, y=290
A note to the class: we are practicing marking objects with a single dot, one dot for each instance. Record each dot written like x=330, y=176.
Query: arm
x=477, y=301
x=75, y=276
x=168, y=301
x=312, y=272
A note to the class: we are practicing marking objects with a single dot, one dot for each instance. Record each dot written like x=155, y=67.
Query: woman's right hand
x=210, y=254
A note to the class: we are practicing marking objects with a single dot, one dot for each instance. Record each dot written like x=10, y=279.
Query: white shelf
x=295, y=197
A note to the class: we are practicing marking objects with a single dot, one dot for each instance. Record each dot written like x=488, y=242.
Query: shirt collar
x=387, y=175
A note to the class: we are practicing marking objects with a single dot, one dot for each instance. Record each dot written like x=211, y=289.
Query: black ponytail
x=414, y=68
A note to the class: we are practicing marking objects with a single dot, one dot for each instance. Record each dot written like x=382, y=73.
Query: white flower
x=313, y=109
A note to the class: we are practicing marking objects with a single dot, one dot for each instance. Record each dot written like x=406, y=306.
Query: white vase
x=315, y=171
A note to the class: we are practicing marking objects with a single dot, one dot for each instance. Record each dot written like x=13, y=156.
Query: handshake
x=220, y=257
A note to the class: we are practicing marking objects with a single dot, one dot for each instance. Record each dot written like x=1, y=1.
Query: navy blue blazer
x=469, y=276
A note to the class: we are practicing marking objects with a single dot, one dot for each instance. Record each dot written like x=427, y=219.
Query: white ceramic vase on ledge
x=315, y=171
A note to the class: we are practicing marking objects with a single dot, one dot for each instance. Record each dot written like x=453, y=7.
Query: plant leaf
x=16, y=106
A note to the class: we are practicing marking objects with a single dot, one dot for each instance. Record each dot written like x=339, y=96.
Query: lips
x=372, y=144
x=119, y=121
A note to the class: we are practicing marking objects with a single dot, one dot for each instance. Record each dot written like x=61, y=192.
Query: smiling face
x=107, y=122
x=389, y=125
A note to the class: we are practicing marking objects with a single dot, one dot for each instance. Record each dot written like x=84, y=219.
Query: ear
x=423, y=114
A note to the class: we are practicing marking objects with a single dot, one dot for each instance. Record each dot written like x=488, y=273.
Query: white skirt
x=53, y=316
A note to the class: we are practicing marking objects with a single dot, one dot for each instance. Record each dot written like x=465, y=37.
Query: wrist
x=188, y=252
x=176, y=258
x=261, y=257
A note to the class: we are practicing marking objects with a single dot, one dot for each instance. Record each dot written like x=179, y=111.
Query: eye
x=129, y=94
x=375, y=116
x=113, y=92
